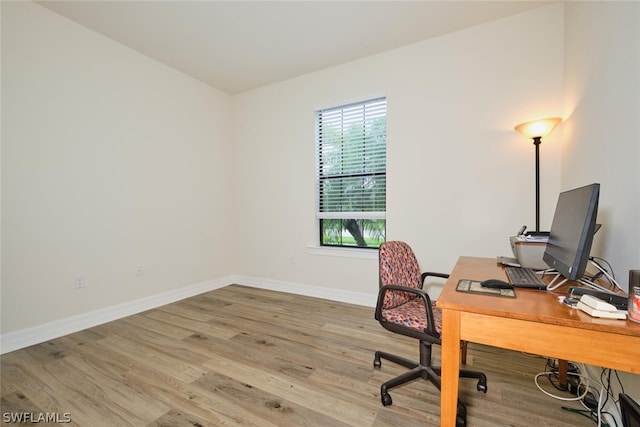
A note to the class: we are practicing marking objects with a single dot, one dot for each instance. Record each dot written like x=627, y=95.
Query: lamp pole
x=536, y=130
x=536, y=141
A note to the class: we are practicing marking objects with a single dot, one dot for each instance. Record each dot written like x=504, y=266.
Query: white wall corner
x=339, y=295
x=38, y=334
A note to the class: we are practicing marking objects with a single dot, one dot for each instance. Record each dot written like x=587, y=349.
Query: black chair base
x=425, y=371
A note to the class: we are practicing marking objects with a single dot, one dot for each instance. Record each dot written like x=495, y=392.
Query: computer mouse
x=496, y=284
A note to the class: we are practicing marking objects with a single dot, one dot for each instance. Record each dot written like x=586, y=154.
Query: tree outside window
x=351, y=150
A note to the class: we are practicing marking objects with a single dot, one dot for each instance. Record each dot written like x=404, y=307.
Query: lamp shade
x=538, y=128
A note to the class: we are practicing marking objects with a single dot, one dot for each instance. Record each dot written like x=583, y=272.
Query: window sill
x=343, y=252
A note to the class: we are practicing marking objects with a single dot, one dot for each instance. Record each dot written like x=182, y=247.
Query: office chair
x=404, y=308
x=629, y=410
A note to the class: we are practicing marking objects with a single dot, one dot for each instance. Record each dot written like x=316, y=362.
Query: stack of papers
x=533, y=238
x=598, y=308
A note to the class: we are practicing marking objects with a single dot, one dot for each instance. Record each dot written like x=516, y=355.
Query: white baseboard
x=26, y=337
x=350, y=297
x=38, y=334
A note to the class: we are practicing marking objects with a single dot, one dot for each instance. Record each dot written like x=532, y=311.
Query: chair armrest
x=416, y=291
x=430, y=273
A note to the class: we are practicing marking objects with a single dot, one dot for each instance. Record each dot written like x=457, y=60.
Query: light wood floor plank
x=240, y=356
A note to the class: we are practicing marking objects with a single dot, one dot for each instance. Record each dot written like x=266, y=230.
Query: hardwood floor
x=245, y=356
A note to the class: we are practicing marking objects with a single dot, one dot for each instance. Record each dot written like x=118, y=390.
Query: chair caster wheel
x=377, y=362
x=482, y=387
x=461, y=416
x=386, y=399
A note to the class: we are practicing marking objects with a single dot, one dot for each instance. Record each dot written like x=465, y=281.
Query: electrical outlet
x=139, y=271
x=78, y=282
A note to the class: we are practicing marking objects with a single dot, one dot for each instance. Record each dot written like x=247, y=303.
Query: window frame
x=372, y=172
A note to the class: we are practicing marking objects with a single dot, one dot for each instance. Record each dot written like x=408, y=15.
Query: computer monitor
x=572, y=230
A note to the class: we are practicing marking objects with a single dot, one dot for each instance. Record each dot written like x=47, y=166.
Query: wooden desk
x=534, y=322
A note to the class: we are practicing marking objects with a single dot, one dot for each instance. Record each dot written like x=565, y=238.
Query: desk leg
x=563, y=374
x=450, y=367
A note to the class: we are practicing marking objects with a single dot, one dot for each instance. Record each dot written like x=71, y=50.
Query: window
x=351, y=174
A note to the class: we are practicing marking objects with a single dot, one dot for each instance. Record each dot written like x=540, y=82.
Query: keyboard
x=524, y=278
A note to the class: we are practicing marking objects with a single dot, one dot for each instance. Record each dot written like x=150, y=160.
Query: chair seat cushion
x=413, y=315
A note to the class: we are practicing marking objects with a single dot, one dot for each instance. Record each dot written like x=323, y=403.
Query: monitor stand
x=553, y=286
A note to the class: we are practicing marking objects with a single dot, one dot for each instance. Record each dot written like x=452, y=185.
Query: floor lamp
x=536, y=130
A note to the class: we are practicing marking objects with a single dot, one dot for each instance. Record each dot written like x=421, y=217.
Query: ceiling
x=238, y=45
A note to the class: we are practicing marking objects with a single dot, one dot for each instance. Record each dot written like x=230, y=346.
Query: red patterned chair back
x=403, y=307
x=399, y=267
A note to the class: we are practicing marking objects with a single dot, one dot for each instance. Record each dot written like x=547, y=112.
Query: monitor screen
x=572, y=230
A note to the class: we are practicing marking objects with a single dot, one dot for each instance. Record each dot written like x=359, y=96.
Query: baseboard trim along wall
x=38, y=334
x=339, y=295
x=48, y=331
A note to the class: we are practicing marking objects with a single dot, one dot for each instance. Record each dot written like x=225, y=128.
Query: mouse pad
x=474, y=287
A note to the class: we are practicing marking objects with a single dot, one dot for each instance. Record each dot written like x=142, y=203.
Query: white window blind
x=351, y=163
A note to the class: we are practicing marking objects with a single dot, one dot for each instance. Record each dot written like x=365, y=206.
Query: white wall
x=601, y=141
x=460, y=179
x=110, y=161
x=602, y=132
